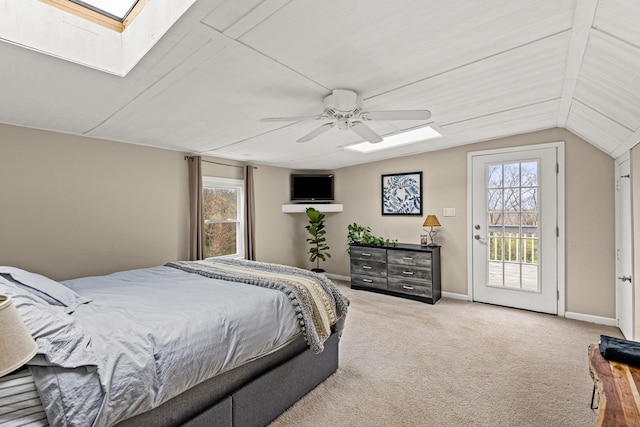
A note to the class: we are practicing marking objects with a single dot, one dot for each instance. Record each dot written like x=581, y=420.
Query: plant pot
x=317, y=270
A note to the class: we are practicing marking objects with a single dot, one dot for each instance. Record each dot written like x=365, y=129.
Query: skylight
x=116, y=9
x=404, y=138
x=113, y=14
x=70, y=31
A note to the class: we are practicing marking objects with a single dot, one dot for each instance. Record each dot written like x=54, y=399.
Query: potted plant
x=319, y=249
x=357, y=233
x=362, y=234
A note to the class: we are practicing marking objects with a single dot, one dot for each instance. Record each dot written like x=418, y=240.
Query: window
x=223, y=201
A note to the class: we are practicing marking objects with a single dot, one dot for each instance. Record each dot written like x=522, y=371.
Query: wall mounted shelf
x=302, y=207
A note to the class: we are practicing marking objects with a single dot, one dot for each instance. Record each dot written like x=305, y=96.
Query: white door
x=624, y=249
x=515, y=228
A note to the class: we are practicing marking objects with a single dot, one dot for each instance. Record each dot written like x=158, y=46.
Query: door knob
x=625, y=278
x=477, y=226
x=477, y=237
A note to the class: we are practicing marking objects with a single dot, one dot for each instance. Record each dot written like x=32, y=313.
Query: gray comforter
x=146, y=336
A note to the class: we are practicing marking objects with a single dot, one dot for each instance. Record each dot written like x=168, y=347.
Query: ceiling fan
x=344, y=108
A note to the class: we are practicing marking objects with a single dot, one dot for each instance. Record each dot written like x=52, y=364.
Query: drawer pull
x=367, y=280
x=408, y=273
x=409, y=288
x=408, y=258
x=366, y=254
x=366, y=267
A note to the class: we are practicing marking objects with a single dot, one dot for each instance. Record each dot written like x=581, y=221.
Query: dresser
x=404, y=270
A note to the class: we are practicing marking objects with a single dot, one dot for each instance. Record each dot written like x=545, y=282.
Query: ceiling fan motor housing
x=343, y=103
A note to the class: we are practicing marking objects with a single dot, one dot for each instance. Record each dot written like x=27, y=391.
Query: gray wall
x=74, y=206
x=589, y=205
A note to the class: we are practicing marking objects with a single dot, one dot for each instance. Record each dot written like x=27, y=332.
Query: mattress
x=112, y=347
x=19, y=401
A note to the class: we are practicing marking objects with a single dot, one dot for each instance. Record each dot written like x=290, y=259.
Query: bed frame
x=253, y=394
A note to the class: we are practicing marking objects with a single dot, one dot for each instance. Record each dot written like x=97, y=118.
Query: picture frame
x=402, y=194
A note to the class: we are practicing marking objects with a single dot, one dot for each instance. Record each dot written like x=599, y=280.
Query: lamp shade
x=431, y=221
x=17, y=346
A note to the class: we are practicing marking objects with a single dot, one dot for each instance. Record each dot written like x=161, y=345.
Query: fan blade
x=397, y=115
x=317, y=131
x=293, y=119
x=365, y=132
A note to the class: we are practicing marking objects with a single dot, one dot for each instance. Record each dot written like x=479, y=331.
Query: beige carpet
x=455, y=363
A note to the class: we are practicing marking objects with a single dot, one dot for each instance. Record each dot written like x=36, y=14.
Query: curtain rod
x=218, y=163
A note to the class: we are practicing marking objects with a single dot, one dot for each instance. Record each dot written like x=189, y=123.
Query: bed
x=225, y=342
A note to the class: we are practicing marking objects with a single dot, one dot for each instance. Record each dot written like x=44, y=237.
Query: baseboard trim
x=590, y=318
x=338, y=277
x=568, y=314
x=453, y=295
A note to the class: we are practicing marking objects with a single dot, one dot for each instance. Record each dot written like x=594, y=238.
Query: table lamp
x=431, y=221
x=17, y=346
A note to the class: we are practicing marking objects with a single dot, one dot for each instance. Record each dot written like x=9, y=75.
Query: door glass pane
x=495, y=200
x=494, y=173
x=495, y=246
x=512, y=199
x=496, y=274
x=513, y=225
x=529, y=199
x=529, y=174
x=511, y=176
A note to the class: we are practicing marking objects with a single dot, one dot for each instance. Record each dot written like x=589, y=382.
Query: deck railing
x=513, y=247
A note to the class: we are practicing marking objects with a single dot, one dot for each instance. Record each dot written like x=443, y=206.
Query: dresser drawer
x=366, y=253
x=369, y=281
x=401, y=257
x=409, y=287
x=409, y=272
x=368, y=268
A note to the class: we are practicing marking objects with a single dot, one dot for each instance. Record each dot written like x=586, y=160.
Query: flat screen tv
x=317, y=188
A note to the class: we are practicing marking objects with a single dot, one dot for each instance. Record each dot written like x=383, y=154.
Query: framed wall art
x=402, y=194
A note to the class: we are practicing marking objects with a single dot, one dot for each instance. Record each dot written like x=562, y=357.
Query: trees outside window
x=223, y=201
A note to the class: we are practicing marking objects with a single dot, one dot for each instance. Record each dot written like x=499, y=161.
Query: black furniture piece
x=404, y=270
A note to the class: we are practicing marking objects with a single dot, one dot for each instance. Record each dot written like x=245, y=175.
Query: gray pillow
x=55, y=293
x=60, y=338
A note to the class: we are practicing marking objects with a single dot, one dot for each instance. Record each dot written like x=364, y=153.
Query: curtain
x=196, y=211
x=249, y=216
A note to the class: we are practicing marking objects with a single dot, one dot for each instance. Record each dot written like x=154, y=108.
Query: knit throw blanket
x=318, y=302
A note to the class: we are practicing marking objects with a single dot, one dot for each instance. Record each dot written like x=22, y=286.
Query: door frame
x=560, y=266
x=625, y=157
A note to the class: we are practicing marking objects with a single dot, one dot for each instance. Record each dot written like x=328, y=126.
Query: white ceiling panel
x=529, y=75
x=210, y=114
x=229, y=12
x=37, y=91
x=619, y=18
x=485, y=69
x=376, y=46
x=516, y=121
x=603, y=132
x=609, y=81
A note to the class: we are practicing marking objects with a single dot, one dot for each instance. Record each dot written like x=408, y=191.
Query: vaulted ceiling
x=485, y=69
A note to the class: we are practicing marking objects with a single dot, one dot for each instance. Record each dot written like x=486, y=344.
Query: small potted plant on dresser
x=360, y=234
x=319, y=250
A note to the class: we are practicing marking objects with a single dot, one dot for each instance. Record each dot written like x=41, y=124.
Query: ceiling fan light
x=398, y=139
